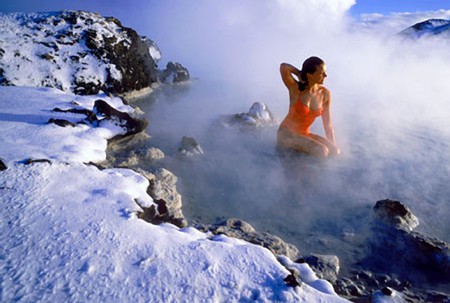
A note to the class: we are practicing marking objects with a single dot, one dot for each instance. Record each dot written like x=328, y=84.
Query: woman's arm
x=286, y=71
x=326, y=117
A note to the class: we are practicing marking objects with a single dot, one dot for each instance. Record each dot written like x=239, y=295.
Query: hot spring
x=321, y=206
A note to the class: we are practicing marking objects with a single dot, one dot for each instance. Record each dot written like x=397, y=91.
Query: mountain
x=75, y=51
x=428, y=28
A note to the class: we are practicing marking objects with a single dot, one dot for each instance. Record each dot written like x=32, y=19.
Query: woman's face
x=318, y=77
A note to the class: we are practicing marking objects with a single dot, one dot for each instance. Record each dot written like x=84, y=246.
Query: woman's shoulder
x=324, y=90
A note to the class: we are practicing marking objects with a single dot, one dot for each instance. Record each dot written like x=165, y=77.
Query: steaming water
x=321, y=206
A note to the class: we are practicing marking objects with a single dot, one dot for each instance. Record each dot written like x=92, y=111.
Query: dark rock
x=129, y=124
x=189, y=147
x=293, y=279
x=90, y=116
x=393, y=240
x=160, y=214
x=31, y=161
x=2, y=165
x=174, y=73
x=387, y=291
x=61, y=122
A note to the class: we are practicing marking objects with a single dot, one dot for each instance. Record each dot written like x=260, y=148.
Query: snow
x=42, y=49
x=70, y=231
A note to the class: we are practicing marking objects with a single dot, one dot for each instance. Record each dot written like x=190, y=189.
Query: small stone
x=387, y=291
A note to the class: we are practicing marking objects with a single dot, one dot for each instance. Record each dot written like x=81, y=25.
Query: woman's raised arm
x=287, y=71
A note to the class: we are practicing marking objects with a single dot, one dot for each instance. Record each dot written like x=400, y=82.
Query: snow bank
x=70, y=231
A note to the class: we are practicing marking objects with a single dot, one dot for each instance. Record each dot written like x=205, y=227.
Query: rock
x=325, y=266
x=258, y=115
x=154, y=153
x=61, y=122
x=393, y=239
x=189, y=147
x=2, y=165
x=240, y=229
x=394, y=213
x=84, y=52
x=293, y=279
x=90, y=116
x=159, y=214
x=163, y=188
x=174, y=73
x=129, y=124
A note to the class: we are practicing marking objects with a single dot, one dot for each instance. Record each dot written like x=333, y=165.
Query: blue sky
x=388, y=6
x=362, y=6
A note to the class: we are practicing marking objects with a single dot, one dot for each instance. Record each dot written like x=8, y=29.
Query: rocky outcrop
x=257, y=116
x=83, y=53
x=240, y=229
x=394, y=239
x=174, y=73
x=398, y=258
x=80, y=52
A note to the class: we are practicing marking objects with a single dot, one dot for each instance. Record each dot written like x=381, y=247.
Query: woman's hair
x=309, y=67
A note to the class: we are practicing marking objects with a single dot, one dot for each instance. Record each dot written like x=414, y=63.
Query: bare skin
x=315, y=97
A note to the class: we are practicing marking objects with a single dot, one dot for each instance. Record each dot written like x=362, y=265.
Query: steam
x=390, y=111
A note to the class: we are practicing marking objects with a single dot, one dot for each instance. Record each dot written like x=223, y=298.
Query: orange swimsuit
x=300, y=118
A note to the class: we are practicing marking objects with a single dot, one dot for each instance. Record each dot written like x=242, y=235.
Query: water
x=321, y=206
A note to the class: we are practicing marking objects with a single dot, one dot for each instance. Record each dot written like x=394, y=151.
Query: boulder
x=174, y=73
x=395, y=214
x=163, y=189
x=189, y=147
x=257, y=116
x=395, y=246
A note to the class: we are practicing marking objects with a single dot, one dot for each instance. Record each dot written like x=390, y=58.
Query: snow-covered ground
x=70, y=232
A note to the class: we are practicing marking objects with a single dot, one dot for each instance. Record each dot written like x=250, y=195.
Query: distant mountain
x=75, y=51
x=431, y=27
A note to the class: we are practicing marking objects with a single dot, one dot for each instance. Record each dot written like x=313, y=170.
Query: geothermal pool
x=321, y=206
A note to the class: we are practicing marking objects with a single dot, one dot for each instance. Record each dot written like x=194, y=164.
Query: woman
x=309, y=99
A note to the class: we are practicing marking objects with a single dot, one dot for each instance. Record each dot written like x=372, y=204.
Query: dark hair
x=309, y=67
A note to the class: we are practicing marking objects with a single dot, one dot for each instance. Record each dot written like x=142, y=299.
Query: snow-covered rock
x=174, y=73
x=428, y=28
x=258, y=115
x=75, y=51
